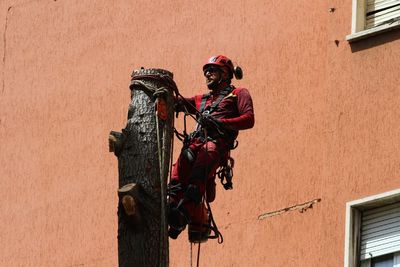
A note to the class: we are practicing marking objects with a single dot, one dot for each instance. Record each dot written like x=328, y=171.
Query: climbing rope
x=161, y=158
x=191, y=255
x=198, y=256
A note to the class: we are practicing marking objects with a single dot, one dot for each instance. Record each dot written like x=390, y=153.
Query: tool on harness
x=225, y=173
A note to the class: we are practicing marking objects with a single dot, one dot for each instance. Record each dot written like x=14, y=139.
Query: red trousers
x=200, y=172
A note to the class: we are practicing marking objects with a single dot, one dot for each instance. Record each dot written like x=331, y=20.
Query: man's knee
x=188, y=155
x=193, y=193
x=198, y=174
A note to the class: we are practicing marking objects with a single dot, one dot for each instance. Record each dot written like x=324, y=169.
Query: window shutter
x=380, y=231
x=380, y=12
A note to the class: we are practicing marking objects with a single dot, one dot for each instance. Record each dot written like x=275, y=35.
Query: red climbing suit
x=234, y=112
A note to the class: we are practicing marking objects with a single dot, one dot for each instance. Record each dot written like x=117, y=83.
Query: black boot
x=177, y=219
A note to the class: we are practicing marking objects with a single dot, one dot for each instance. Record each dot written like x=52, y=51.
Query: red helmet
x=222, y=62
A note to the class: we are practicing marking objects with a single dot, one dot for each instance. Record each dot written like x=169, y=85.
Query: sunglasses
x=211, y=69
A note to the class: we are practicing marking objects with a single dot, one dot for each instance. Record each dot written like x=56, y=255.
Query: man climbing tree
x=220, y=115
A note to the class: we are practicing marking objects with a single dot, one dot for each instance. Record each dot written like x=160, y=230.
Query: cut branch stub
x=116, y=141
x=128, y=196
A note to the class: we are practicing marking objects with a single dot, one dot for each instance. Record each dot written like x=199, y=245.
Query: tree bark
x=144, y=154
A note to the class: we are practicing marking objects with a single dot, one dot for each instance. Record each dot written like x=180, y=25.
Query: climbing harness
x=225, y=171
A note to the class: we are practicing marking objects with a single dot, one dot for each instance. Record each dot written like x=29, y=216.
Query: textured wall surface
x=327, y=123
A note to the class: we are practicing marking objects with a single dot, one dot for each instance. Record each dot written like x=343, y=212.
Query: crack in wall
x=4, y=48
x=301, y=207
x=5, y=39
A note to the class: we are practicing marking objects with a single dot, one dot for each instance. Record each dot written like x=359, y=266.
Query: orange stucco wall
x=327, y=123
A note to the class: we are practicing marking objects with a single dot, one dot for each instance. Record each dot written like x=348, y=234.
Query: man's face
x=213, y=77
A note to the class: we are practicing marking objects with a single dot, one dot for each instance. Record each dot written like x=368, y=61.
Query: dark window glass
x=383, y=261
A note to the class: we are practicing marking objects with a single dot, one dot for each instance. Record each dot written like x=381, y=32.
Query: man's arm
x=185, y=104
x=245, y=120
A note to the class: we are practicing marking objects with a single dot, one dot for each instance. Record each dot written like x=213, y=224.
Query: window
x=373, y=16
x=389, y=260
x=373, y=231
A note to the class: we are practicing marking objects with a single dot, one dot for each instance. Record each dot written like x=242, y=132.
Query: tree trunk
x=141, y=149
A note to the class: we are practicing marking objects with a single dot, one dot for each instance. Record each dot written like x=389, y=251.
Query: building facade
x=321, y=163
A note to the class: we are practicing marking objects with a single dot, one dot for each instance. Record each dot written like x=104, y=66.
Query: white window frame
x=353, y=223
x=358, y=21
x=396, y=262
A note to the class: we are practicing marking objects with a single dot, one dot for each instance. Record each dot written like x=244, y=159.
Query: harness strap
x=215, y=104
x=203, y=102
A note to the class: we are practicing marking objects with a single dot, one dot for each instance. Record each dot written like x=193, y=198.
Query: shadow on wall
x=375, y=40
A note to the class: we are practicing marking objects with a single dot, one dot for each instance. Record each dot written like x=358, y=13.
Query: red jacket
x=235, y=111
